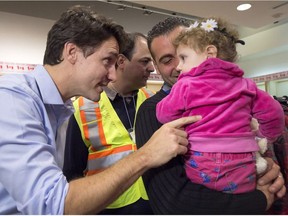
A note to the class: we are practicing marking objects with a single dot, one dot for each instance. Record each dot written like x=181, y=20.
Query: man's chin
x=96, y=98
x=97, y=94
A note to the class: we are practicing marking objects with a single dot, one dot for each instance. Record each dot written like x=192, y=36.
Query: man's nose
x=111, y=76
x=150, y=67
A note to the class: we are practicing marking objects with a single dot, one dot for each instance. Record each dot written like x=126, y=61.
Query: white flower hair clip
x=194, y=25
x=209, y=25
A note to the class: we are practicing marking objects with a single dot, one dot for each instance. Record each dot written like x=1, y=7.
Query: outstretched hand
x=168, y=141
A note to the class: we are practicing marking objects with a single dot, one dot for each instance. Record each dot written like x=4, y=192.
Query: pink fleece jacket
x=217, y=90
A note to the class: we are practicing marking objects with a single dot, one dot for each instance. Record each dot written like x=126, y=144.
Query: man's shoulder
x=153, y=100
x=148, y=93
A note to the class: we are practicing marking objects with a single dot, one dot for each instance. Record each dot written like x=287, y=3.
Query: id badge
x=132, y=134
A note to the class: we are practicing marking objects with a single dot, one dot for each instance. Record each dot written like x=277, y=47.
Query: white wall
x=269, y=64
x=270, y=60
x=23, y=38
x=278, y=88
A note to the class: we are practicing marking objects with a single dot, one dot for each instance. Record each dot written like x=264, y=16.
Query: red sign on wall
x=6, y=67
x=269, y=77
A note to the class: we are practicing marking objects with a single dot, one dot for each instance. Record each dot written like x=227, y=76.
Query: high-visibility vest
x=107, y=140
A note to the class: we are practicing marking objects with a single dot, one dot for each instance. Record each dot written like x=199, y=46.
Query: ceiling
x=262, y=16
x=263, y=27
x=262, y=13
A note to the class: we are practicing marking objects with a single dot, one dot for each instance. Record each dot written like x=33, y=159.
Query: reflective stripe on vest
x=88, y=111
x=108, y=141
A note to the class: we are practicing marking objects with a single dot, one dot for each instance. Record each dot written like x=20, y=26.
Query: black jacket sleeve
x=76, y=152
x=171, y=192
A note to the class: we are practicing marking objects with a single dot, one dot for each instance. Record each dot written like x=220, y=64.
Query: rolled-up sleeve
x=30, y=177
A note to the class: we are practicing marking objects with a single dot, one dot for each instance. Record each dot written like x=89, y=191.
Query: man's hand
x=167, y=142
x=269, y=196
x=274, y=178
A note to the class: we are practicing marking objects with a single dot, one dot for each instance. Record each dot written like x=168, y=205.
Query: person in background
x=101, y=133
x=168, y=188
x=222, y=145
x=280, y=150
x=79, y=60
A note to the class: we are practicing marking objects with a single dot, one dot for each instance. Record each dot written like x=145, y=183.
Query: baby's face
x=189, y=58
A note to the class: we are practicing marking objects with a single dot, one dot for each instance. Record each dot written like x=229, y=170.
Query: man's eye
x=145, y=61
x=167, y=61
x=109, y=61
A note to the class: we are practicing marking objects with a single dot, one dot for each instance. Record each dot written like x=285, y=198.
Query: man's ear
x=121, y=61
x=70, y=52
x=211, y=51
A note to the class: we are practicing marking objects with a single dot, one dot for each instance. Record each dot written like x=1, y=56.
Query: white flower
x=194, y=25
x=209, y=25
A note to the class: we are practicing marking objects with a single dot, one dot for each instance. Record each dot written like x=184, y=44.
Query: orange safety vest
x=107, y=140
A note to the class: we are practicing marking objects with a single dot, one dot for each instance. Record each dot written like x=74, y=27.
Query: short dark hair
x=130, y=45
x=165, y=27
x=85, y=28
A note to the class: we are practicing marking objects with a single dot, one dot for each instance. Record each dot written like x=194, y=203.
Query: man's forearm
x=92, y=194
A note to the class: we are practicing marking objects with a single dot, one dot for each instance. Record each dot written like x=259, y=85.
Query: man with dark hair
x=80, y=58
x=168, y=188
x=94, y=148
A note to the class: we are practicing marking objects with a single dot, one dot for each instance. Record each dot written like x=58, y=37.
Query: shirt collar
x=111, y=94
x=46, y=86
x=48, y=89
x=166, y=88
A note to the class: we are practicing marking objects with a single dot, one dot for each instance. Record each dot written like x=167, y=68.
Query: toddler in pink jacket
x=222, y=145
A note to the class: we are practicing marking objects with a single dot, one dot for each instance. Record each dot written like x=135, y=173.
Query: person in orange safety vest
x=104, y=130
